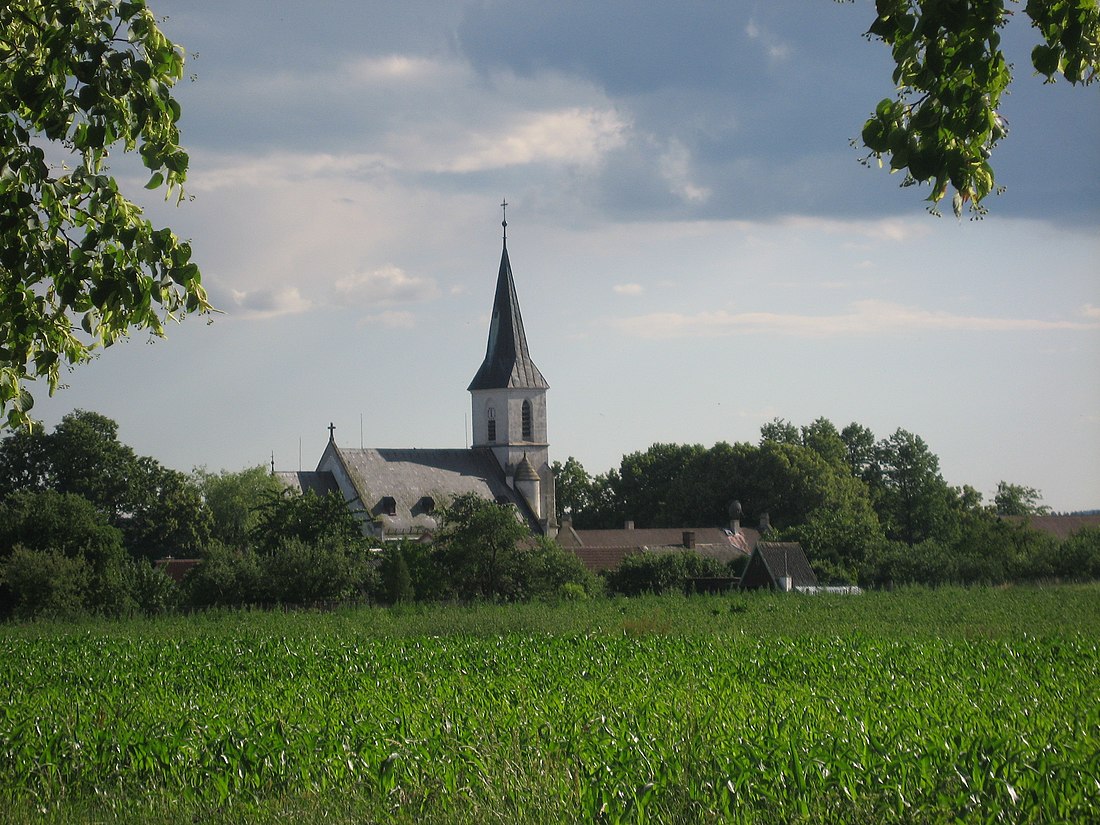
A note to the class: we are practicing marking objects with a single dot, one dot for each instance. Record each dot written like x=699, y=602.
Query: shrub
x=44, y=583
x=649, y=572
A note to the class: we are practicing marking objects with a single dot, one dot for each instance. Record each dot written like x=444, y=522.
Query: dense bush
x=649, y=572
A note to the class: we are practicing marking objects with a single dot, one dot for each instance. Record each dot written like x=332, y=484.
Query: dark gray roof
x=301, y=482
x=771, y=560
x=507, y=362
x=419, y=481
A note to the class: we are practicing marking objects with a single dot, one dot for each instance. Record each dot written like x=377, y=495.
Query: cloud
x=386, y=286
x=269, y=303
x=388, y=68
x=776, y=49
x=885, y=229
x=1089, y=311
x=628, y=289
x=868, y=317
x=675, y=167
x=578, y=136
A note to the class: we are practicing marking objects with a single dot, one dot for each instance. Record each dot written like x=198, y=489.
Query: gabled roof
x=605, y=549
x=419, y=481
x=773, y=560
x=507, y=363
x=1061, y=527
x=321, y=483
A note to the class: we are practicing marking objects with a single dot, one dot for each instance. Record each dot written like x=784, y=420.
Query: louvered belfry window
x=526, y=420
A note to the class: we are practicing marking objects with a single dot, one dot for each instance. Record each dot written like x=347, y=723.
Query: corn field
x=265, y=718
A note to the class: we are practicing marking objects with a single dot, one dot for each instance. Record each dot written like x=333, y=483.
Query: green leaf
x=155, y=181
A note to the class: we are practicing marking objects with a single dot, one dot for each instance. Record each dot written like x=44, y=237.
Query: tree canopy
x=944, y=122
x=79, y=264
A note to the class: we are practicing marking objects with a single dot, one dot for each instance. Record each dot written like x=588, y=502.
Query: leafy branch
x=80, y=266
x=944, y=122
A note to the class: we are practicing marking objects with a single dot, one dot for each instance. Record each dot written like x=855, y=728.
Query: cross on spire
x=332, y=432
x=504, y=223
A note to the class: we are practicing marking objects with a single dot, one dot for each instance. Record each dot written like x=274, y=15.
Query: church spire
x=507, y=361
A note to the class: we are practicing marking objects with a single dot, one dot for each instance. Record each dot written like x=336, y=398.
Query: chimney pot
x=689, y=539
x=629, y=524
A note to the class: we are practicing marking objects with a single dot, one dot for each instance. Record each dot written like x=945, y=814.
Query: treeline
x=868, y=511
x=83, y=519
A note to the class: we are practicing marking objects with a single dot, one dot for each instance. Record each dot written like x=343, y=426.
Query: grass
x=915, y=706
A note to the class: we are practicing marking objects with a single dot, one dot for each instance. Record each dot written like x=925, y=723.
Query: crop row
x=592, y=727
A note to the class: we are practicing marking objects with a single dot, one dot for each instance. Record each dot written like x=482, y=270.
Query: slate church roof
x=507, y=361
x=401, y=490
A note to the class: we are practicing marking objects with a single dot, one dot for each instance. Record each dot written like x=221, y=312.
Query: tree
x=822, y=437
x=708, y=483
x=79, y=264
x=307, y=517
x=781, y=431
x=233, y=500
x=397, y=584
x=573, y=487
x=1018, y=500
x=36, y=582
x=943, y=124
x=646, y=480
x=862, y=457
x=48, y=526
x=158, y=510
x=477, y=548
x=914, y=502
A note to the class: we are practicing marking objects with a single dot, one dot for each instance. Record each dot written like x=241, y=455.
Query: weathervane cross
x=504, y=223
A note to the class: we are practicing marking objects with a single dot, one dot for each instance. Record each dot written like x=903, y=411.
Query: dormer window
x=527, y=420
x=491, y=415
x=427, y=505
x=389, y=506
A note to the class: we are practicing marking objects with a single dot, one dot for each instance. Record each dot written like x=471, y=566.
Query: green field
x=917, y=706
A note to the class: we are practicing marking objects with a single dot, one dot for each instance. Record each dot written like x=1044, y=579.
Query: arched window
x=527, y=421
x=491, y=416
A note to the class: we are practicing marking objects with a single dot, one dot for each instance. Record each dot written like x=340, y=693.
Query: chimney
x=735, y=516
x=765, y=523
x=689, y=539
x=628, y=524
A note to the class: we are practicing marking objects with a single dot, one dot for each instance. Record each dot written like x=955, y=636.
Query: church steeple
x=509, y=401
x=507, y=363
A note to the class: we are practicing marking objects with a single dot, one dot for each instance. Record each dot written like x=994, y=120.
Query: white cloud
x=775, y=48
x=885, y=229
x=628, y=289
x=392, y=67
x=1089, y=311
x=868, y=317
x=578, y=136
x=386, y=286
x=675, y=167
x=269, y=303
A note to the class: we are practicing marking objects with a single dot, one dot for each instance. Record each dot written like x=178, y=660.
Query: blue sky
x=696, y=248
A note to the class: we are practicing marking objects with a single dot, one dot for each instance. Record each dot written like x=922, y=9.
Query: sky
x=696, y=247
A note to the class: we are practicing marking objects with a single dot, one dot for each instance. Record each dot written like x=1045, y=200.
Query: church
x=398, y=493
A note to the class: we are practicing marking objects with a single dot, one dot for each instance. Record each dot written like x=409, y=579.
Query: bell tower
x=509, y=400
